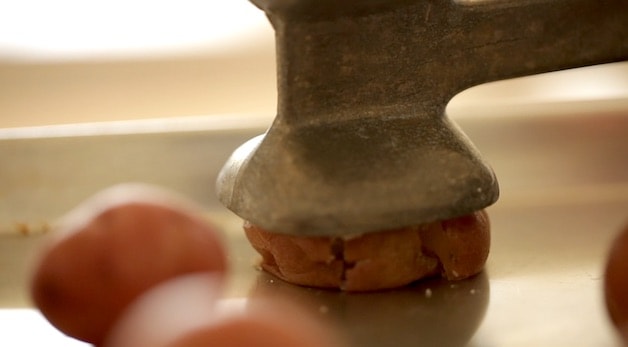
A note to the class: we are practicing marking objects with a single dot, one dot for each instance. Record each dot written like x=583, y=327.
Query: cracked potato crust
x=454, y=249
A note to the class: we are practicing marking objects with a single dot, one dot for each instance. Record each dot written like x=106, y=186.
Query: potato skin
x=456, y=249
x=616, y=283
x=110, y=250
x=308, y=261
x=461, y=244
x=187, y=311
x=257, y=330
x=385, y=260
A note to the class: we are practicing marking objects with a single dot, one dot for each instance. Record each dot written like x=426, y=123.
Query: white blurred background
x=69, y=61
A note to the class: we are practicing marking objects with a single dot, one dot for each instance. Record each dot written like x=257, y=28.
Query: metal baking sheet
x=564, y=183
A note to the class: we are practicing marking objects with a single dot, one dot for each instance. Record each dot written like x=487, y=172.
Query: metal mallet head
x=361, y=141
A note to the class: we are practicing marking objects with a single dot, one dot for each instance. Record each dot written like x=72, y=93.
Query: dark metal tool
x=361, y=141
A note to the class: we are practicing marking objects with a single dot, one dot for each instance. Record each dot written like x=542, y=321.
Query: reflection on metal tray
x=564, y=182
